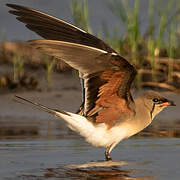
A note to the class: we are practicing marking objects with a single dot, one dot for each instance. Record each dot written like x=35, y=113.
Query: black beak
x=168, y=103
x=171, y=103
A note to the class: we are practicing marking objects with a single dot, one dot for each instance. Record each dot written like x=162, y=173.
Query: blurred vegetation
x=49, y=65
x=80, y=14
x=155, y=52
x=18, y=63
x=18, y=54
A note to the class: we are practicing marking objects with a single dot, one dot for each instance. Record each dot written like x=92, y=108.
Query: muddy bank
x=65, y=94
x=39, y=146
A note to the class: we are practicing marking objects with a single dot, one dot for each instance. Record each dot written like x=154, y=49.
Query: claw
x=107, y=154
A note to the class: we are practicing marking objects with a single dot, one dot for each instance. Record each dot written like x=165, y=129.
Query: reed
x=155, y=42
x=18, y=64
x=158, y=37
x=171, y=53
x=129, y=17
x=151, y=18
x=49, y=65
x=80, y=14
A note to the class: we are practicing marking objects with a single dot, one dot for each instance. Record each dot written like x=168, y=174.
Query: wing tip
x=14, y=6
x=17, y=7
x=10, y=5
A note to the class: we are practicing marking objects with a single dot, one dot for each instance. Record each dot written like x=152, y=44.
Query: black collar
x=152, y=110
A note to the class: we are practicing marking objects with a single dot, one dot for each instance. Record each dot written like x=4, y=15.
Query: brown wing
x=53, y=28
x=107, y=77
x=114, y=101
x=87, y=60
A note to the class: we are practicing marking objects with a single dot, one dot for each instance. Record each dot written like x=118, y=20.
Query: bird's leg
x=107, y=153
x=108, y=150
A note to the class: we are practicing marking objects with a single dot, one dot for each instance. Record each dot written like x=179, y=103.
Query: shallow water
x=69, y=157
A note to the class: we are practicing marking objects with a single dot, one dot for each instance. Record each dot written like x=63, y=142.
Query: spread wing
x=108, y=78
x=53, y=28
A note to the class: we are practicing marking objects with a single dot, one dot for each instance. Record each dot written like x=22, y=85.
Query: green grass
x=158, y=41
x=171, y=52
x=18, y=64
x=80, y=14
x=49, y=65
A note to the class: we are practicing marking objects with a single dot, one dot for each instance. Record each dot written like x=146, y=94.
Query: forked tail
x=44, y=108
x=75, y=122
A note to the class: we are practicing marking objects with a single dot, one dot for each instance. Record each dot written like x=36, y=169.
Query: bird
x=108, y=113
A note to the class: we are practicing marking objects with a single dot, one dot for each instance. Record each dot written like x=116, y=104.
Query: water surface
x=69, y=157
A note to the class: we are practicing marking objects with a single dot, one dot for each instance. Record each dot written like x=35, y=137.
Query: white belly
x=97, y=135
x=103, y=137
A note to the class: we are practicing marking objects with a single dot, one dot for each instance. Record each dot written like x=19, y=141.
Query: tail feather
x=77, y=123
x=44, y=108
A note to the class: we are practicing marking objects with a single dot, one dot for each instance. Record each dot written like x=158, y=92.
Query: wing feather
x=107, y=76
x=108, y=79
x=87, y=60
x=45, y=26
x=114, y=101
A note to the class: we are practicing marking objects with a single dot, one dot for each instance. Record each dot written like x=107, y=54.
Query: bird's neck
x=143, y=114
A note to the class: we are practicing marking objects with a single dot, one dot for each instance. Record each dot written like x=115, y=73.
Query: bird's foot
x=107, y=155
x=108, y=158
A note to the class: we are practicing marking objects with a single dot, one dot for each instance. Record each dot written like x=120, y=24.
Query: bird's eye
x=155, y=100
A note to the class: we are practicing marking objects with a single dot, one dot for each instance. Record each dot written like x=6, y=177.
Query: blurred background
x=146, y=33
x=99, y=13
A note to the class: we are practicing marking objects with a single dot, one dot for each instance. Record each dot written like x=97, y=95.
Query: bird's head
x=155, y=102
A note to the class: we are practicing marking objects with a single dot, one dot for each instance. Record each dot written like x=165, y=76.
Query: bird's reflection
x=98, y=170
